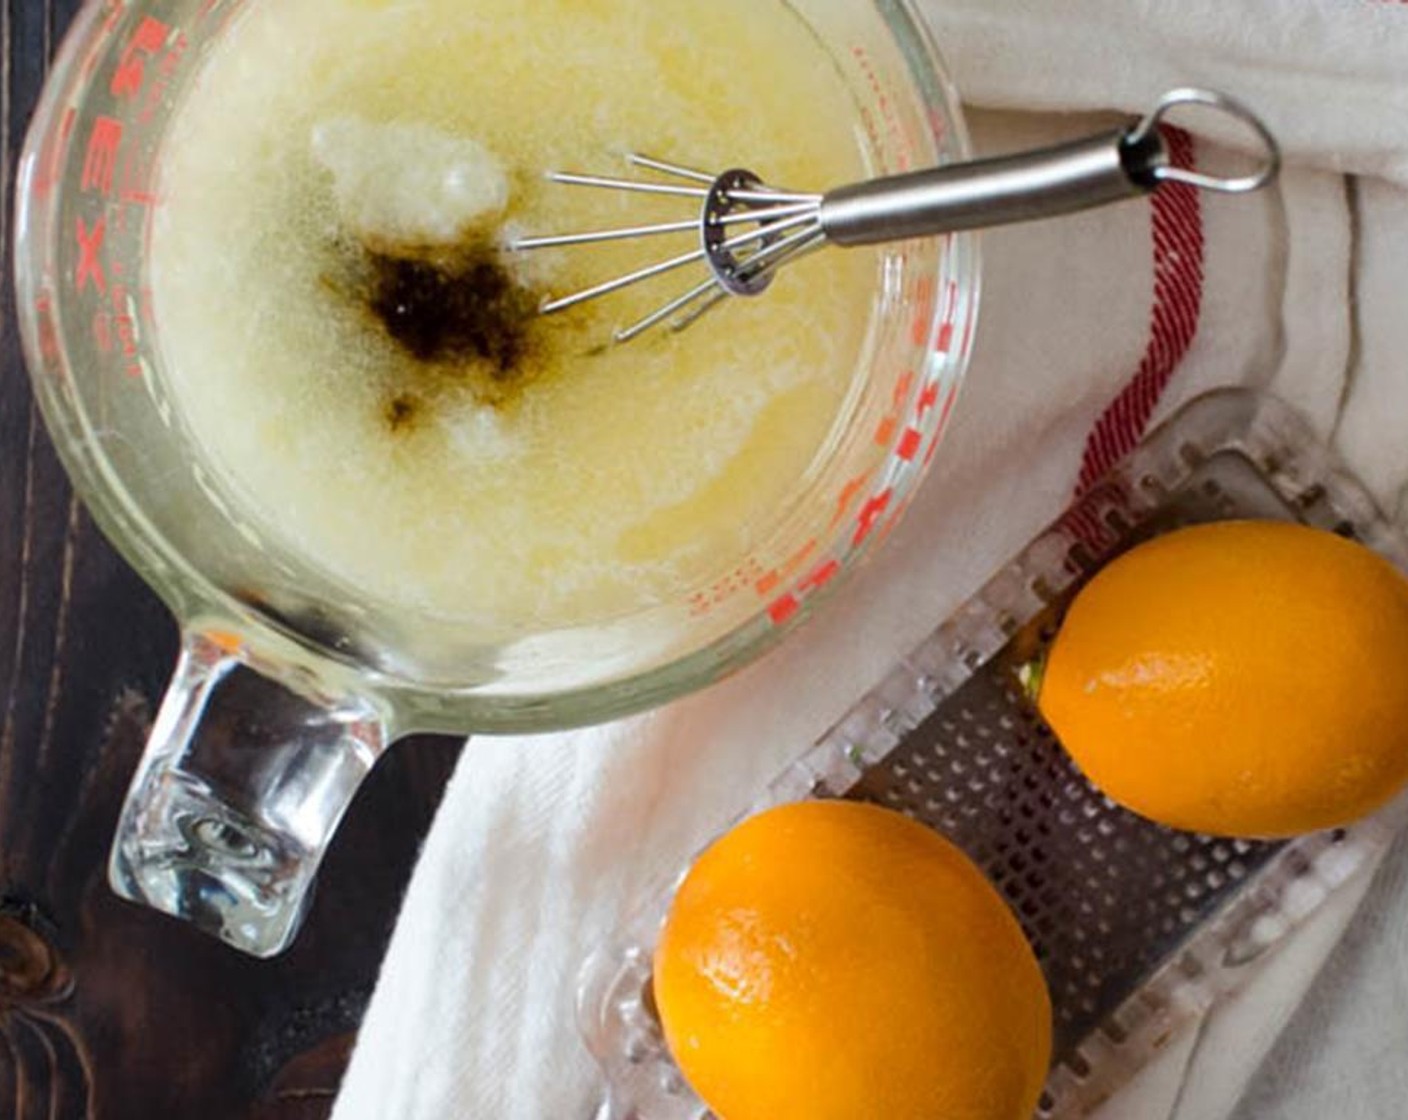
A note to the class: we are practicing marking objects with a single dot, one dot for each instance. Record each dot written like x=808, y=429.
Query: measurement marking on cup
x=893, y=132
x=100, y=159
x=90, y=267
x=130, y=74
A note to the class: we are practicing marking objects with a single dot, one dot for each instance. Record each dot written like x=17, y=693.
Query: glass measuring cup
x=289, y=685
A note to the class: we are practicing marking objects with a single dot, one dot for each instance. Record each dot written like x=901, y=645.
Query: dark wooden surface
x=107, y=1010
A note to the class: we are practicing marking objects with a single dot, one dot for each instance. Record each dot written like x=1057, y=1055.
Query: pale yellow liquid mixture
x=555, y=485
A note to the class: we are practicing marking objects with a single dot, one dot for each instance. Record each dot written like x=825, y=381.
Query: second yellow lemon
x=836, y=961
x=1240, y=678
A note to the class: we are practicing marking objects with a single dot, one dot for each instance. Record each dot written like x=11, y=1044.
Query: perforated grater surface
x=1139, y=928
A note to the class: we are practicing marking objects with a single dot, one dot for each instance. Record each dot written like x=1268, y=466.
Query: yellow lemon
x=829, y=960
x=1241, y=678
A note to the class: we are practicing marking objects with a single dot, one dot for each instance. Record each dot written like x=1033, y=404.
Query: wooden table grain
x=108, y=1010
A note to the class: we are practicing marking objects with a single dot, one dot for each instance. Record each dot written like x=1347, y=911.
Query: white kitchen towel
x=1342, y=1055
x=1326, y=74
x=1093, y=327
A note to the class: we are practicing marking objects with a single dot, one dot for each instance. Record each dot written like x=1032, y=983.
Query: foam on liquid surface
x=408, y=183
x=586, y=484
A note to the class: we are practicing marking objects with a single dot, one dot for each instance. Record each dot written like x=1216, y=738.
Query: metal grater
x=1138, y=928
x=1101, y=893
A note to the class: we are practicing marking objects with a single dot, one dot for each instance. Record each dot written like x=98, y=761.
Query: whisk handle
x=1041, y=184
x=990, y=192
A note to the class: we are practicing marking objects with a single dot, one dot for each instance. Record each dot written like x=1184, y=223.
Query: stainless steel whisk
x=746, y=230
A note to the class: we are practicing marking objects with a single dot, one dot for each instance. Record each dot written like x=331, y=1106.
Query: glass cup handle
x=238, y=793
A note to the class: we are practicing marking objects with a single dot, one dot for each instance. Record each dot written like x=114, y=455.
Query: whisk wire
x=623, y=234
x=629, y=233
x=721, y=296
x=794, y=247
x=641, y=185
x=787, y=250
x=771, y=256
x=622, y=282
x=637, y=159
x=767, y=195
x=762, y=214
x=738, y=241
x=660, y=314
x=772, y=226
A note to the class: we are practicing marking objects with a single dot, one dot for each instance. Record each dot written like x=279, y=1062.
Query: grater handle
x=1081, y=175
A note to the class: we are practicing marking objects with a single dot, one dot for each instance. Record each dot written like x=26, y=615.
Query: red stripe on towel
x=1177, y=228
